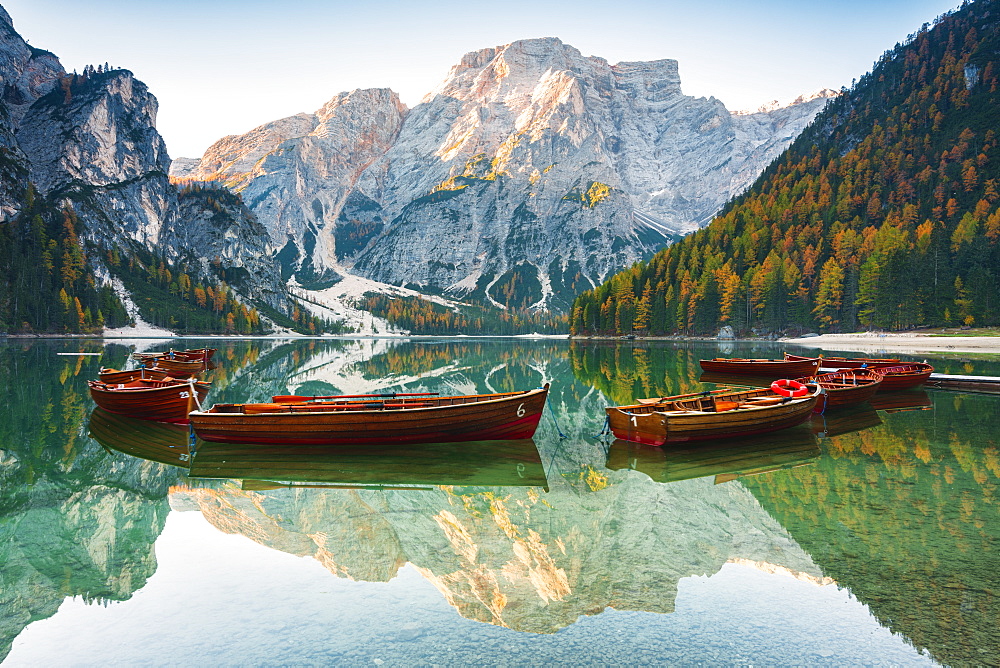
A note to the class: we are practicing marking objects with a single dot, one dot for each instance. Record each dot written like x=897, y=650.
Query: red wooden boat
x=179, y=367
x=845, y=388
x=190, y=355
x=711, y=415
x=850, y=363
x=167, y=400
x=903, y=376
x=806, y=366
x=116, y=376
x=375, y=419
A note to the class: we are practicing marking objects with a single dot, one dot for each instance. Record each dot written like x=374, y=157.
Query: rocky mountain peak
x=660, y=77
x=528, y=174
x=822, y=94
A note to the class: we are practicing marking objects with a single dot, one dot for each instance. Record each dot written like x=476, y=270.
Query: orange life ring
x=789, y=388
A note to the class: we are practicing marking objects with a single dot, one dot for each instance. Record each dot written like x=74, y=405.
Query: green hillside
x=884, y=213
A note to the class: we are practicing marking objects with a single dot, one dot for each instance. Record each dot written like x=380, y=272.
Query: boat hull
x=846, y=388
x=658, y=425
x=116, y=376
x=506, y=418
x=904, y=376
x=849, y=363
x=170, y=403
x=762, y=367
x=175, y=367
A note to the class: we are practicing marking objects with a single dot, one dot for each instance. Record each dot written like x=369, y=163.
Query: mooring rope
x=552, y=412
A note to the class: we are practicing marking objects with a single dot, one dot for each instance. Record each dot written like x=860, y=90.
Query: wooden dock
x=944, y=381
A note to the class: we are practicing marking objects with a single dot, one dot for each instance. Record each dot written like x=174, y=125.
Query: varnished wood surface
x=849, y=362
x=507, y=416
x=724, y=415
x=762, y=367
x=161, y=400
x=846, y=388
x=116, y=376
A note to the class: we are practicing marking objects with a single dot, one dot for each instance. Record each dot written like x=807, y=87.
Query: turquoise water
x=867, y=536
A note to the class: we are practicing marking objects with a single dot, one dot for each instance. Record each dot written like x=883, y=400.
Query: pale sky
x=221, y=67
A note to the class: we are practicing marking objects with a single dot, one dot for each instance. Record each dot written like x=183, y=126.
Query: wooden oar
x=293, y=398
x=657, y=400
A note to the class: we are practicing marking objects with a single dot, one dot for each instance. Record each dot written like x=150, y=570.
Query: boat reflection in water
x=902, y=400
x=513, y=463
x=845, y=420
x=724, y=459
x=161, y=442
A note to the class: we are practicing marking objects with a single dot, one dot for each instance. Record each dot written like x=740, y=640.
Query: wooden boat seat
x=763, y=401
x=251, y=409
x=159, y=383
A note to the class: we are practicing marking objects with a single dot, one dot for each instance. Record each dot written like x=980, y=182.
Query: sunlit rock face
x=521, y=557
x=296, y=173
x=530, y=173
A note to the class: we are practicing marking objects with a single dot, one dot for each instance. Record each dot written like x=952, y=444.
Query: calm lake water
x=870, y=536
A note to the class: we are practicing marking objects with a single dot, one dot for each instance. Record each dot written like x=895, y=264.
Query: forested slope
x=884, y=213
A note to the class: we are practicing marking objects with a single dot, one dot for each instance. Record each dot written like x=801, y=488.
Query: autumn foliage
x=884, y=213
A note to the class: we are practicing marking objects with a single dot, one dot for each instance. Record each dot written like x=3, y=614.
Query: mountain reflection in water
x=894, y=502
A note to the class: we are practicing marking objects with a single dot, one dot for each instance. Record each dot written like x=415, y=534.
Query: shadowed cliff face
x=89, y=141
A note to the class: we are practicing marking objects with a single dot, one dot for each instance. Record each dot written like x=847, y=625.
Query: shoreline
x=862, y=342
x=903, y=342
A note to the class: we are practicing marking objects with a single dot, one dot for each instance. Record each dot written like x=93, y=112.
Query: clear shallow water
x=873, y=544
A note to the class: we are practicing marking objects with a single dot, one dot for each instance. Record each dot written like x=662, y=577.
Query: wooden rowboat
x=191, y=355
x=168, y=400
x=710, y=416
x=903, y=376
x=846, y=388
x=896, y=375
x=849, y=363
x=115, y=376
x=179, y=366
x=478, y=417
x=762, y=367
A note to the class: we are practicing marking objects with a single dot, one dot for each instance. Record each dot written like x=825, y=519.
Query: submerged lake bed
x=868, y=535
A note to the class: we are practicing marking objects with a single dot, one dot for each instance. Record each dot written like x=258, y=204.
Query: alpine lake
x=867, y=536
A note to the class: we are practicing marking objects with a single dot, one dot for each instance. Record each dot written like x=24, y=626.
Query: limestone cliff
x=530, y=173
x=89, y=141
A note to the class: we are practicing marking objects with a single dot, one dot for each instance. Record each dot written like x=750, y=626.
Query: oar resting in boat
x=660, y=400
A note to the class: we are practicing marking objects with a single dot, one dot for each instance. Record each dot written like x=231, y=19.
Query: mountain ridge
x=482, y=193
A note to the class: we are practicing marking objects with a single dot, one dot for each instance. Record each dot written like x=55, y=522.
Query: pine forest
x=883, y=214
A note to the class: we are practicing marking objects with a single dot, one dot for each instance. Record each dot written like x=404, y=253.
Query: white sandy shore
x=905, y=342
